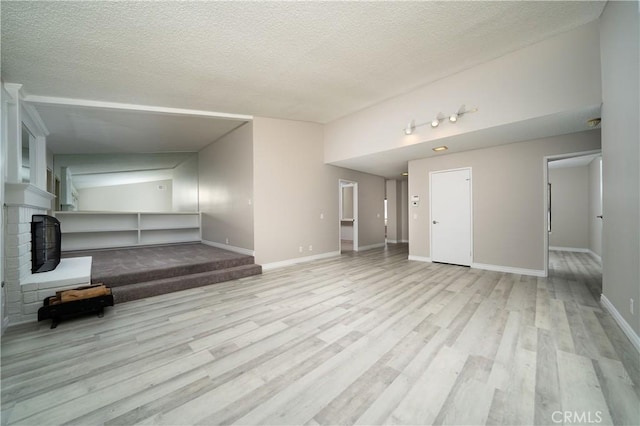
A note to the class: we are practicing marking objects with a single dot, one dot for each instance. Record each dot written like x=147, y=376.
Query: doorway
x=573, y=206
x=348, y=216
x=450, y=216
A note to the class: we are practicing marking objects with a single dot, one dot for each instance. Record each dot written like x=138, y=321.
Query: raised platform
x=140, y=272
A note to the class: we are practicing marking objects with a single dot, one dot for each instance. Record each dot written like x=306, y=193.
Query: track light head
x=453, y=118
x=435, y=122
x=410, y=128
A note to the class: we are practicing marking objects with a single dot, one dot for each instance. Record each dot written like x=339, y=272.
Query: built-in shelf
x=95, y=230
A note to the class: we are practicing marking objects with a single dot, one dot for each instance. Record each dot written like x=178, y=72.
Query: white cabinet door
x=451, y=217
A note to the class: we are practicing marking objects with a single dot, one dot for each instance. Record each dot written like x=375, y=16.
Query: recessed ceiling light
x=594, y=122
x=440, y=148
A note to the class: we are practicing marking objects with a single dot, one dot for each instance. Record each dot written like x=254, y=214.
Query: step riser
x=178, y=271
x=140, y=291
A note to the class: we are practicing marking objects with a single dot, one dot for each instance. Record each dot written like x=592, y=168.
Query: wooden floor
x=365, y=338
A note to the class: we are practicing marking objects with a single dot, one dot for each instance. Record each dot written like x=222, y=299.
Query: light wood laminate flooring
x=364, y=338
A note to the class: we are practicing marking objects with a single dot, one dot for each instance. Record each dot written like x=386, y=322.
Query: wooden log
x=84, y=293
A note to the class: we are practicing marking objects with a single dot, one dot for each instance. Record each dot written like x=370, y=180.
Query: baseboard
x=404, y=241
x=509, y=269
x=577, y=250
x=369, y=247
x=289, y=262
x=573, y=249
x=392, y=241
x=419, y=258
x=5, y=324
x=595, y=255
x=229, y=248
x=624, y=325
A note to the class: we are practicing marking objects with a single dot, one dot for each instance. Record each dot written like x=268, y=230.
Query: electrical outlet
x=300, y=249
x=226, y=241
x=310, y=247
x=631, y=307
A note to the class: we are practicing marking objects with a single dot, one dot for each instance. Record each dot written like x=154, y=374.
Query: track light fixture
x=453, y=118
x=411, y=126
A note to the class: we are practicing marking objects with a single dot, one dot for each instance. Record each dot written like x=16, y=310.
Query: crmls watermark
x=582, y=417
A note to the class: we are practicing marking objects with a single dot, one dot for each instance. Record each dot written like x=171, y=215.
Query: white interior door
x=451, y=216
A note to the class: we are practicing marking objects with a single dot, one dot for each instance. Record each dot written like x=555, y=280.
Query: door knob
x=435, y=221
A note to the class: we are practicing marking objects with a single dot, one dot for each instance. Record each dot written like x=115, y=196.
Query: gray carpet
x=135, y=273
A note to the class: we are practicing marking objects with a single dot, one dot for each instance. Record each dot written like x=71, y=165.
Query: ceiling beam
x=50, y=100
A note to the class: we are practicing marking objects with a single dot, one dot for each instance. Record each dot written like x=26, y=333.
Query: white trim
x=624, y=325
x=595, y=255
x=14, y=90
x=131, y=107
x=5, y=324
x=572, y=249
x=404, y=241
x=35, y=120
x=341, y=184
x=419, y=258
x=470, y=169
x=27, y=195
x=289, y=262
x=578, y=250
x=230, y=248
x=545, y=198
x=510, y=269
x=392, y=241
x=369, y=247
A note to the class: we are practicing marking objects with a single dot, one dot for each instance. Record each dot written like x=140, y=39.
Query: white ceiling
x=82, y=130
x=312, y=61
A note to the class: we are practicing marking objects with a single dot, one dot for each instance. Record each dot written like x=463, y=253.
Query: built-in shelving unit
x=95, y=230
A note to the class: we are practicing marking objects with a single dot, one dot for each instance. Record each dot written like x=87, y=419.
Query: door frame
x=545, y=197
x=470, y=208
x=341, y=184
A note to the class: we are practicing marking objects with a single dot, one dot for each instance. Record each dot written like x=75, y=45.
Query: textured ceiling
x=313, y=61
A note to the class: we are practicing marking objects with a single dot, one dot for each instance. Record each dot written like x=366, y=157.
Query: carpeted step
x=124, y=278
x=125, y=293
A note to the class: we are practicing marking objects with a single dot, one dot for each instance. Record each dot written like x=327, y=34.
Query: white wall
x=556, y=75
x=297, y=195
x=569, y=207
x=185, y=185
x=619, y=47
x=508, y=199
x=226, y=189
x=595, y=206
x=142, y=197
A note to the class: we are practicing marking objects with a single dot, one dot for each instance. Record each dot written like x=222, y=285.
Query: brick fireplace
x=24, y=291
